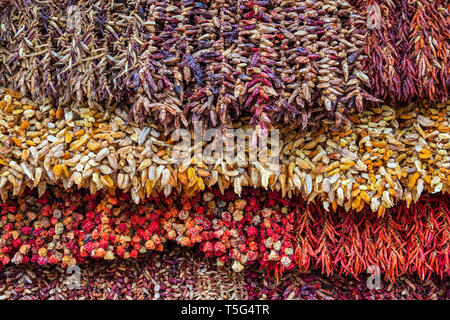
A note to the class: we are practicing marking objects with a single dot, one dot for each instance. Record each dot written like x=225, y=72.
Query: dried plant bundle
x=408, y=49
x=385, y=155
x=178, y=61
x=154, y=277
x=259, y=228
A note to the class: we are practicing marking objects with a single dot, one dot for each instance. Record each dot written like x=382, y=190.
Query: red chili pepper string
x=407, y=49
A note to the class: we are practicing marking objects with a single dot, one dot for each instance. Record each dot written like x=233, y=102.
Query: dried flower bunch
x=408, y=48
x=260, y=227
x=170, y=275
x=385, y=155
x=185, y=274
x=181, y=61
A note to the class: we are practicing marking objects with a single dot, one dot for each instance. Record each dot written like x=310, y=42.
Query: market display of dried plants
x=183, y=61
x=408, y=48
x=91, y=166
